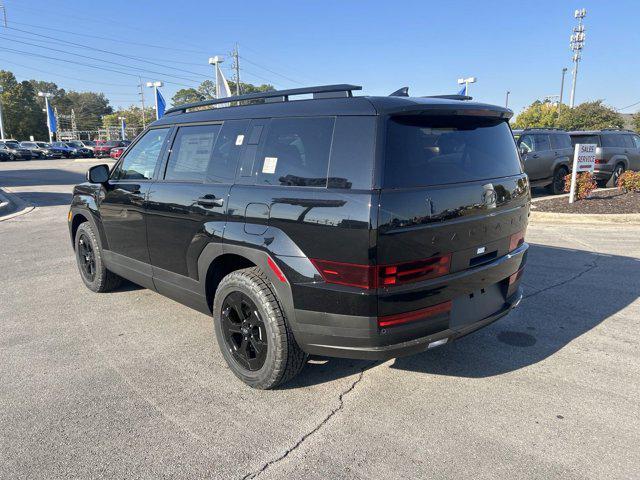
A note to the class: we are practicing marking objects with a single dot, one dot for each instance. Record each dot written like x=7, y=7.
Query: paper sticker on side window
x=269, y=165
x=239, y=139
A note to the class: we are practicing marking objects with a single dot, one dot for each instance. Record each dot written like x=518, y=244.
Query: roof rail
x=543, y=128
x=322, y=91
x=450, y=97
x=614, y=129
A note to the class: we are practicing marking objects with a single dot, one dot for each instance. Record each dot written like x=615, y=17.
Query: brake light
x=351, y=274
x=516, y=240
x=400, y=318
x=370, y=276
x=516, y=276
x=414, y=271
x=600, y=160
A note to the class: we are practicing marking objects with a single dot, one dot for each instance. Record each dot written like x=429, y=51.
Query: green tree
x=22, y=114
x=132, y=115
x=186, y=95
x=537, y=115
x=589, y=116
x=89, y=108
x=635, y=120
x=207, y=90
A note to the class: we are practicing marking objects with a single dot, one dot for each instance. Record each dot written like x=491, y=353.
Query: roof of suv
x=338, y=105
x=540, y=130
x=605, y=131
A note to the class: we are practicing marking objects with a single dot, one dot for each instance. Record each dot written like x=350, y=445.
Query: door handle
x=210, y=201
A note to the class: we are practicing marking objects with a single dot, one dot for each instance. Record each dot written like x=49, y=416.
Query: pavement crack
x=314, y=430
x=590, y=267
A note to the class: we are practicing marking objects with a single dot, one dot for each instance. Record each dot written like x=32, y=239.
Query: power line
x=110, y=52
x=104, y=61
x=270, y=70
x=629, y=106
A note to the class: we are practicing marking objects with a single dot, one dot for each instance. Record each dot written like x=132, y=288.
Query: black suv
x=547, y=154
x=360, y=227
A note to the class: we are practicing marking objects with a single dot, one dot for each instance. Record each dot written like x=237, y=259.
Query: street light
x=506, y=101
x=155, y=86
x=122, y=119
x=215, y=61
x=466, y=82
x=1, y=122
x=47, y=96
x=564, y=71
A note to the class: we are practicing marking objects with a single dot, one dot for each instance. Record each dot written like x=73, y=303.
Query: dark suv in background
x=360, y=227
x=617, y=151
x=547, y=155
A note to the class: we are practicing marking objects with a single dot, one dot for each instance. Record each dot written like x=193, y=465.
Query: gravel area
x=600, y=202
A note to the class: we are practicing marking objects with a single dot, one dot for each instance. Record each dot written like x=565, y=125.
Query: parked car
x=90, y=144
x=360, y=227
x=547, y=155
x=80, y=150
x=39, y=150
x=14, y=151
x=104, y=149
x=116, y=152
x=52, y=152
x=617, y=151
x=65, y=150
x=5, y=156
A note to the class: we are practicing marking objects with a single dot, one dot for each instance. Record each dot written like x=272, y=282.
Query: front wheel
x=557, y=185
x=252, y=331
x=89, y=257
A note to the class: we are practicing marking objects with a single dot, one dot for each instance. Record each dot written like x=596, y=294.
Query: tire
x=90, y=264
x=617, y=172
x=12, y=157
x=248, y=318
x=556, y=187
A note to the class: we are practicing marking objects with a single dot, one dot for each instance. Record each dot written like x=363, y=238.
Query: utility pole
x=215, y=61
x=564, y=71
x=141, y=93
x=576, y=44
x=4, y=15
x=236, y=67
x=1, y=121
x=506, y=100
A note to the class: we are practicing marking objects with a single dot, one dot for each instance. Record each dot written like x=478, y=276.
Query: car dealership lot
x=132, y=384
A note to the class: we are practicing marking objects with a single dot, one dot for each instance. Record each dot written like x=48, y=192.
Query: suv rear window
x=588, y=139
x=426, y=151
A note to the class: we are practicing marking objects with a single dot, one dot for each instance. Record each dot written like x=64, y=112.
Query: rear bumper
x=360, y=336
x=411, y=347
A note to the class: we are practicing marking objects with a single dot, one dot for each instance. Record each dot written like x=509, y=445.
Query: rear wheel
x=89, y=257
x=252, y=331
x=12, y=157
x=557, y=185
x=617, y=173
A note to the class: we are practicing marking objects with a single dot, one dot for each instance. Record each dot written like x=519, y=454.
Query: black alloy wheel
x=86, y=258
x=244, y=331
x=557, y=187
x=617, y=173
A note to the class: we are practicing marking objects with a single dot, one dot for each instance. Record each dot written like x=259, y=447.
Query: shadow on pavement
x=38, y=177
x=558, y=307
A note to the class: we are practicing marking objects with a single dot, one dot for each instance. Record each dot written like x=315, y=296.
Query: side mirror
x=98, y=174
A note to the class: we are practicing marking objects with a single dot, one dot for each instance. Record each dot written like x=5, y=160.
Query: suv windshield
x=425, y=151
x=43, y=144
x=592, y=139
x=89, y=143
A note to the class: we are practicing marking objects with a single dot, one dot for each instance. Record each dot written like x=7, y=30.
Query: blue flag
x=463, y=91
x=161, y=104
x=51, y=118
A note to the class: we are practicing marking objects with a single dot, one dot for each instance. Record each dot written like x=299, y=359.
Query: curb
x=11, y=205
x=579, y=218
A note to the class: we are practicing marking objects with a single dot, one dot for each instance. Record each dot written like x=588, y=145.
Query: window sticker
x=269, y=165
x=239, y=139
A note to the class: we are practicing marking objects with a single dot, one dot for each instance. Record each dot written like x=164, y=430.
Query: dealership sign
x=584, y=160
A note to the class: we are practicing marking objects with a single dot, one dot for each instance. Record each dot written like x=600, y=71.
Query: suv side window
x=560, y=140
x=542, y=142
x=526, y=141
x=612, y=140
x=191, y=152
x=140, y=162
x=296, y=152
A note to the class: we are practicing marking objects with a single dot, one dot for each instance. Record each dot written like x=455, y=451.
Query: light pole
x=564, y=71
x=576, y=44
x=466, y=82
x=46, y=96
x=155, y=86
x=1, y=121
x=215, y=61
x=506, y=100
x=124, y=136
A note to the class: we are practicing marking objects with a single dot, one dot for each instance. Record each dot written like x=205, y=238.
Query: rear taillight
x=351, y=274
x=516, y=240
x=516, y=276
x=600, y=161
x=414, y=271
x=400, y=318
x=370, y=276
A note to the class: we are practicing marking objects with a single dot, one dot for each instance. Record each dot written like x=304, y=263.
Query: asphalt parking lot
x=131, y=384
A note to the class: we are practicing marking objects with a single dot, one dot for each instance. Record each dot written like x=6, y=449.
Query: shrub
x=585, y=184
x=629, y=182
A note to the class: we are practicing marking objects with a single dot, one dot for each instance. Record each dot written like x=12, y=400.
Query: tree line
x=585, y=116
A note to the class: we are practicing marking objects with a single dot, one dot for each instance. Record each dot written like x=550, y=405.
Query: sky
x=425, y=45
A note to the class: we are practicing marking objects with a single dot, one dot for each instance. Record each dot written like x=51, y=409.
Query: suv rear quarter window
x=296, y=152
x=613, y=140
x=426, y=151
